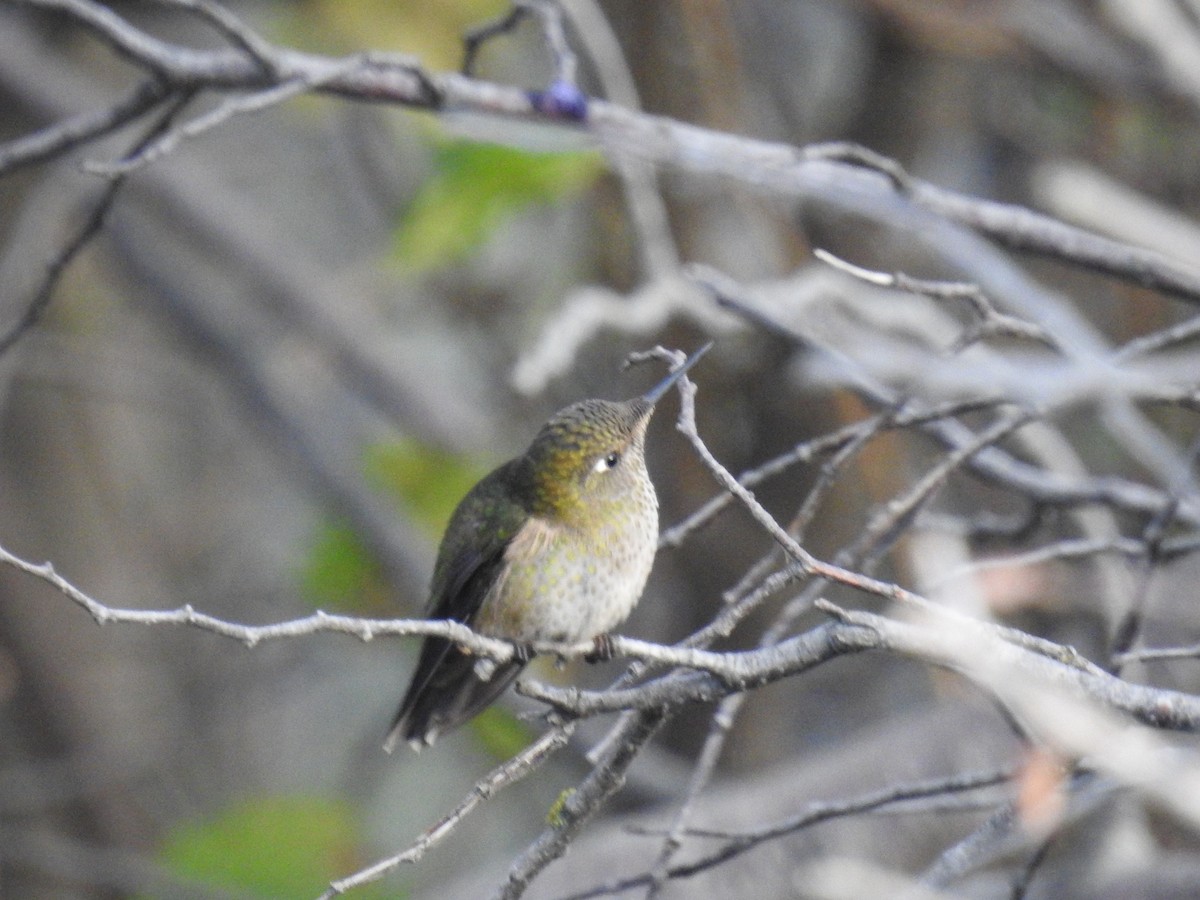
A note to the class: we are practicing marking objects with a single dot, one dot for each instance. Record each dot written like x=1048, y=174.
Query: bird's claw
x=602, y=649
x=523, y=653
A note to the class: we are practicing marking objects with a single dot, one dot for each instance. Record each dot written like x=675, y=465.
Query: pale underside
x=564, y=583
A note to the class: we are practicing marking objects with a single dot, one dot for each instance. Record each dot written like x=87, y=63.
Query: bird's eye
x=608, y=461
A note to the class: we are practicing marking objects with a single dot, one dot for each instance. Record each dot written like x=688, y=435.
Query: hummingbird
x=554, y=545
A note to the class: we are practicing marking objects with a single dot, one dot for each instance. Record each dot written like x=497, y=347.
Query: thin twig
x=1179, y=333
x=736, y=843
x=989, y=321
x=994, y=466
x=605, y=779
x=91, y=226
x=885, y=527
x=808, y=450
x=524, y=763
x=479, y=35
x=1129, y=627
x=61, y=137
x=233, y=29
x=251, y=103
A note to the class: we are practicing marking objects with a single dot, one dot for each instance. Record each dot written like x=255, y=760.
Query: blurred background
x=304, y=334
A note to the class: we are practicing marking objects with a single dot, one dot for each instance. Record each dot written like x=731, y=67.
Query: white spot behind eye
x=606, y=462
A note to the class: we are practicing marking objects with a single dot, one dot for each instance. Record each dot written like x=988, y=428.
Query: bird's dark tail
x=445, y=692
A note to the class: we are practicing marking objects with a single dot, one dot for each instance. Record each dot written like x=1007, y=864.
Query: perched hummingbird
x=555, y=545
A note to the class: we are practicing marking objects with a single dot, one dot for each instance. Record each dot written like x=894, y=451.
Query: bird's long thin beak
x=655, y=393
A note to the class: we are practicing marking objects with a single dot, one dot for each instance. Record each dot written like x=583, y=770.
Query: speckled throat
x=570, y=581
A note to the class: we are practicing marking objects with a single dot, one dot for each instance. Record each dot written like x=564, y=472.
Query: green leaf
x=475, y=187
x=278, y=847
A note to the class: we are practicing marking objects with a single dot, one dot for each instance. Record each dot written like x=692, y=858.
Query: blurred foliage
x=475, y=188
x=339, y=571
x=279, y=847
x=428, y=482
x=500, y=732
x=432, y=31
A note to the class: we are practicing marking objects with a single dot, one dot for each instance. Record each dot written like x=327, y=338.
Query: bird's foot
x=602, y=649
x=522, y=653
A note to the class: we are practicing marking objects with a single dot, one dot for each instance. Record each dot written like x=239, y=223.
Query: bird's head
x=593, y=452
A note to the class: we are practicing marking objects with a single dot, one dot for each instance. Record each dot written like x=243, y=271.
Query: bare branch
x=745, y=669
x=580, y=804
x=853, y=184
x=721, y=674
